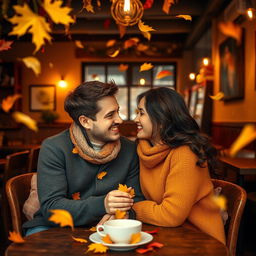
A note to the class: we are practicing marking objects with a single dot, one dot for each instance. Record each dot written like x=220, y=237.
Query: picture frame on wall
x=231, y=54
x=42, y=97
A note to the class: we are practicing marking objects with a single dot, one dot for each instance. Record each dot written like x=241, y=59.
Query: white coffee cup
x=120, y=230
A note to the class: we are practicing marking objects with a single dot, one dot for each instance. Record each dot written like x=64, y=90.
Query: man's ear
x=85, y=121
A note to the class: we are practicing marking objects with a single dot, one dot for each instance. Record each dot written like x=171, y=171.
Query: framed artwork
x=232, y=69
x=42, y=97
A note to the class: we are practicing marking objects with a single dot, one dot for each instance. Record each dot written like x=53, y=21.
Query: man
x=71, y=164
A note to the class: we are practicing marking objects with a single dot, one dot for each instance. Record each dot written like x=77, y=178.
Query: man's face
x=105, y=127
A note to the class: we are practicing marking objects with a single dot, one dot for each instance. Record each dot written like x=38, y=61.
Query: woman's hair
x=171, y=119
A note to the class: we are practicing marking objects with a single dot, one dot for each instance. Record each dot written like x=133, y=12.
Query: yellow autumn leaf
x=33, y=63
x=16, y=237
x=79, y=240
x=113, y=55
x=76, y=196
x=75, y=150
x=247, y=135
x=26, y=120
x=62, y=217
x=185, y=17
x=120, y=214
x=101, y=175
x=89, y=8
x=135, y=238
x=57, y=13
x=93, y=229
x=106, y=239
x=8, y=102
x=97, y=248
x=124, y=188
x=146, y=66
x=218, y=96
x=144, y=28
x=221, y=201
x=146, y=35
x=167, y=4
x=231, y=29
x=27, y=21
x=79, y=44
x=110, y=43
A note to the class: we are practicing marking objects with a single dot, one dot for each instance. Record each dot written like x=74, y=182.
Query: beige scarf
x=108, y=152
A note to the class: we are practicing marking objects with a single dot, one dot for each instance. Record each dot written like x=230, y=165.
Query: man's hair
x=83, y=99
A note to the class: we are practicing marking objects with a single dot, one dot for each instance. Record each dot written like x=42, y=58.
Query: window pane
x=165, y=81
x=140, y=78
x=94, y=72
x=134, y=93
x=115, y=74
x=122, y=98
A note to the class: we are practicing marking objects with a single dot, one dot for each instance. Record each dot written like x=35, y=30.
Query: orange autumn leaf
x=135, y=238
x=79, y=240
x=144, y=28
x=16, y=237
x=79, y=44
x=8, y=102
x=97, y=248
x=155, y=245
x=62, y=217
x=144, y=250
x=130, y=42
x=185, y=17
x=166, y=6
x=75, y=150
x=106, y=239
x=5, y=45
x=114, y=54
x=231, y=29
x=93, y=229
x=220, y=201
x=122, y=30
x=163, y=73
x=120, y=214
x=76, y=196
x=110, y=43
x=123, y=67
x=146, y=66
x=124, y=188
x=218, y=96
x=101, y=175
x=146, y=35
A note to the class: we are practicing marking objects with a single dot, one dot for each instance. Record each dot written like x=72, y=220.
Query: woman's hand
x=105, y=218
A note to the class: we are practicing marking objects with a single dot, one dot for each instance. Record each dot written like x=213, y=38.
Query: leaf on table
x=5, y=45
x=57, y=13
x=79, y=44
x=124, y=188
x=79, y=240
x=144, y=28
x=155, y=245
x=221, y=201
x=106, y=239
x=144, y=250
x=8, y=102
x=163, y=73
x=146, y=66
x=27, y=21
x=185, y=17
x=155, y=231
x=16, y=237
x=93, y=229
x=97, y=248
x=62, y=217
x=33, y=63
x=166, y=6
x=26, y=120
x=110, y=43
x=113, y=55
x=123, y=67
x=135, y=238
x=101, y=175
x=246, y=136
x=218, y=96
x=120, y=214
x=76, y=196
x=231, y=29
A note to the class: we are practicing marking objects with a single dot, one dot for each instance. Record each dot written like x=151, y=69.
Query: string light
x=192, y=76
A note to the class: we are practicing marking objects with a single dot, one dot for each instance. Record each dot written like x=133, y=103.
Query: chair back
x=17, y=191
x=33, y=158
x=236, y=199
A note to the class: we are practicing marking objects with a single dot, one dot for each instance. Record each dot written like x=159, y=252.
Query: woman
x=175, y=160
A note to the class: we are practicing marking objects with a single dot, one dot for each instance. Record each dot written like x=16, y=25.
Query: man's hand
x=105, y=218
x=117, y=200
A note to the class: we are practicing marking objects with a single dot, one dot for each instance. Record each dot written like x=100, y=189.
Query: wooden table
x=242, y=167
x=177, y=241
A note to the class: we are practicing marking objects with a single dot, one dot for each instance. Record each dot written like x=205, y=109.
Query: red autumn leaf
x=163, y=73
x=144, y=250
x=148, y=4
x=155, y=231
x=76, y=196
x=5, y=45
x=155, y=245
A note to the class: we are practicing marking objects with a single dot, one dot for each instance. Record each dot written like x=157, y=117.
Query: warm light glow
x=126, y=5
x=62, y=83
x=206, y=61
x=250, y=13
x=142, y=81
x=192, y=76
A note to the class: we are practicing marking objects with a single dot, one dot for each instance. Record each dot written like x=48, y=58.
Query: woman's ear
x=86, y=122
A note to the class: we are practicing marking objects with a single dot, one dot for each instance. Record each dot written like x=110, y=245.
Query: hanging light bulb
x=62, y=83
x=127, y=12
x=250, y=13
x=206, y=61
x=192, y=76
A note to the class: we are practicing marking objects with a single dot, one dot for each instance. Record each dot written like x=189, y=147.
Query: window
x=130, y=80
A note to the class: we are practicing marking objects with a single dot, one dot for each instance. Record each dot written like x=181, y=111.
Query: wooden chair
x=236, y=199
x=33, y=158
x=17, y=191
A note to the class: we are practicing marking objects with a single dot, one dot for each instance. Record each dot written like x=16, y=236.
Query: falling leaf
x=122, y=30
x=124, y=188
x=5, y=45
x=218, y=96
x=62, y=217
x=146, y=35
x=33, y=63
x=75, y=150
x=155, y=245
x=131, y=42
x=221, y=201
x=135, y=238
x=97, y=248
x=247, y=135
x=113, y=55
x=231, y=29
x=26, y=120
x=185, y=17
x=88, y=6
x=144, y=250
x=101, y=175
x=106, y=239
x=57, y=13
x=142, y=47
x=123, y=67
x=146, y=66
x=155, y=231
x=79, y=240
x=93, y=229
x=8, y=102
x=144, y=28
x=16, y=237
x=79, y=44
x=167, y=4
x=120, y=214
x=148, y=4
x=110, y=43
x=163, y=73
x=27, y=21
x=76, y=196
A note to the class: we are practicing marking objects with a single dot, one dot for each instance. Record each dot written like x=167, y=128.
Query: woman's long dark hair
x=170, y=116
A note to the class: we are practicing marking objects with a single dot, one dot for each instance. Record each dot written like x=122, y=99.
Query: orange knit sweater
x=176, y=189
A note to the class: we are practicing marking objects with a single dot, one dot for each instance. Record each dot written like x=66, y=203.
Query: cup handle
x=101, y=233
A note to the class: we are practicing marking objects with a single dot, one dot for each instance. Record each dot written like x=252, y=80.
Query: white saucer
x=145, y=238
